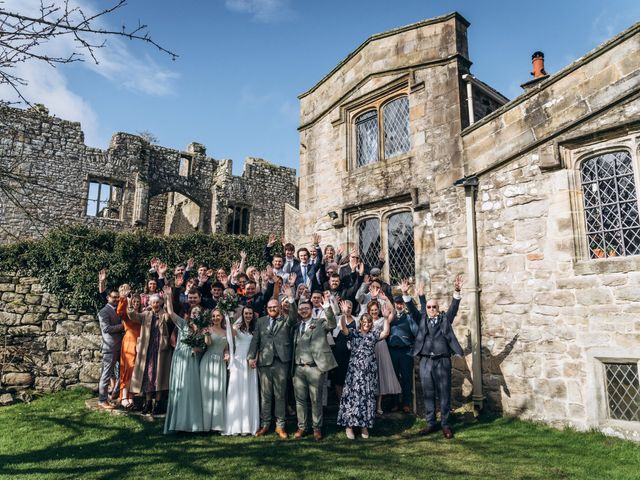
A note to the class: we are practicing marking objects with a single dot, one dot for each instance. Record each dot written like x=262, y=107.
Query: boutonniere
x=311, y=327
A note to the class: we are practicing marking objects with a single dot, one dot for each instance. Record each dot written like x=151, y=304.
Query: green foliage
x=67, y=260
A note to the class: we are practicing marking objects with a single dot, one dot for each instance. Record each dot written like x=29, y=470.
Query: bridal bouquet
x=197, y=331
x=228, y=304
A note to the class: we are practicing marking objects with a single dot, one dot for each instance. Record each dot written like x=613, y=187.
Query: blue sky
x=242, y=63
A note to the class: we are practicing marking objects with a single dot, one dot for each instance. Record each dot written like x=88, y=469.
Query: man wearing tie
x=435, y=343
x=312, y=360
x=270, y=351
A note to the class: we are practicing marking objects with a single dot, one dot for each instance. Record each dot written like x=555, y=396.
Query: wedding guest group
x=221, y=349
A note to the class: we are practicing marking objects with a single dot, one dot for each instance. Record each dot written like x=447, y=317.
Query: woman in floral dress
x=358, y=402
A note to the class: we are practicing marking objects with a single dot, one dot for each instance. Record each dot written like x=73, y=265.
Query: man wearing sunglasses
x=435, y=343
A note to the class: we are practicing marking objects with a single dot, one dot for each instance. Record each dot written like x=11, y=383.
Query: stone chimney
x=539, y=73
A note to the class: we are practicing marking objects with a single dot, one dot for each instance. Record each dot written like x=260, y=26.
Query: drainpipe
x=470, y=185
x=467, y=77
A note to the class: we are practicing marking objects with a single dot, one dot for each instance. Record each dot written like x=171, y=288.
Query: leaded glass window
x=395, y=116
x=401, y=247
x=623, y=391
x=104, y=200
x=367, y=138
x=369, y=241
x=610, y=205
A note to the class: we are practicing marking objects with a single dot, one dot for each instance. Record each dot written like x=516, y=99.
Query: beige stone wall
x=550, y=315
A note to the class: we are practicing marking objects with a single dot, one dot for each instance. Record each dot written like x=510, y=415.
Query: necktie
x=433, y=321
x=302, y=328
x=304, y=273
x=272, y=324
x=316, y=312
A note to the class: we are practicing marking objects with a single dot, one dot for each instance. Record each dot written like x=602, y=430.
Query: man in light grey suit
x=312, y=360
x=270, y=351
x=112, y=329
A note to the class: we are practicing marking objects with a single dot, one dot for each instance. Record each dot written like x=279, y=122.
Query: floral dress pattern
x=358, y=402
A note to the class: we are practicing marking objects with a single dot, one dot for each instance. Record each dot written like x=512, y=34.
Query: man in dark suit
x=112, y=329
x=435, y=343
x=270, y=351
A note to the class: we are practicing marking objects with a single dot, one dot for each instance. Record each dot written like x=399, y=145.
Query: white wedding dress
x=243, y=411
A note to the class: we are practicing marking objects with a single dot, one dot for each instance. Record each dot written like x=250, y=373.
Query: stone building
x=132, y=184
x=403, y=152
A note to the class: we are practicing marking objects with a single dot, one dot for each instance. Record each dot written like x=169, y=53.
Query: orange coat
x=128, y=349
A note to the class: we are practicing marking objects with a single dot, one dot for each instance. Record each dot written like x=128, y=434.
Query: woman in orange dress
x=129, y=342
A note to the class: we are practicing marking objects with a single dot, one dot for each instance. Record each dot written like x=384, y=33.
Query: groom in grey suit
x=112, y=329
x=270, y=351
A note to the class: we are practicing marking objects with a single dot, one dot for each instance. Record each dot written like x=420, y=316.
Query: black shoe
x=156, y=408
x=148, y=406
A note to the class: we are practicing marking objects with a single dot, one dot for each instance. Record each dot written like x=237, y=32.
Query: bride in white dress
x=243, y=412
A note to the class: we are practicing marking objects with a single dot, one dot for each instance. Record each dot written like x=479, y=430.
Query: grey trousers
x=309, y=383
x=273, y=392
x=435, y=376
x=109, y=360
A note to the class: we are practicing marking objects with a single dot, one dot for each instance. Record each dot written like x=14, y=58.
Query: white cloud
x=265, y=11
x=117, y=63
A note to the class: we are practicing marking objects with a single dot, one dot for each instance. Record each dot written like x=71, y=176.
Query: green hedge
x=67, y=260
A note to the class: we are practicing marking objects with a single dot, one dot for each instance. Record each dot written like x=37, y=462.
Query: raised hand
x=457, y=284
x=224, y=279
x=102, y=275
x=404, y=286
x=179, y=280
x=243, y=255
x=167, y=293
x=315, y=239
x=381, y=256
x=272, y=240
x=292, y=278
x=340, y=251
x=256, y=276
x=288, y=291
x=366, y=278
x=269, y=272
x=420, y=288
x=162, y=269
x=190, y=263
x=387, y=311
x=344, y=307
x=327, y=296
x=154, y=263
x=210, y=272
x=360, y=268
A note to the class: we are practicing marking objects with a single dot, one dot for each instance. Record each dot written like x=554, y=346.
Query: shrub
x=67, y=260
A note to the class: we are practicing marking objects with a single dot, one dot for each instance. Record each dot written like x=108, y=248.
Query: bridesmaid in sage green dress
x=213, y=375
x=184, y=409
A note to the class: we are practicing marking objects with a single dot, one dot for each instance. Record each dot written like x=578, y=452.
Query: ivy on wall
x=67, y=260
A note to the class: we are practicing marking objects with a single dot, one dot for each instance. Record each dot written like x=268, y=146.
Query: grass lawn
x=57, y=437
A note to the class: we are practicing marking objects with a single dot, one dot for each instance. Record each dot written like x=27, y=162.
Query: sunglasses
x=432, y=306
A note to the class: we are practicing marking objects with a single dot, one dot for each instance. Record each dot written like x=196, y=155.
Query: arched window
x=369, y=241
x=610, y=205
x=402, y=254
x=382, y=130
x=367, y=138
x=395, y=116
x=392, y=235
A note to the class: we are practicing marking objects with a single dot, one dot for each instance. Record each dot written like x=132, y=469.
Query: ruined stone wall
x=263, y=187
x=51, y=154
x=43, y=347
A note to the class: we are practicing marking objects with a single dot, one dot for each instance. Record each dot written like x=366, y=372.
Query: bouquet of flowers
x=196, y=336
x=228, y=304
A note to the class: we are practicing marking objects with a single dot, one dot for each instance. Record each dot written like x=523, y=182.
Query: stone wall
x=54, y=169
x=43, y=347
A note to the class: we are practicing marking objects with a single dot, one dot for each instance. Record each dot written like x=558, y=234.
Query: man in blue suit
x=435, y=343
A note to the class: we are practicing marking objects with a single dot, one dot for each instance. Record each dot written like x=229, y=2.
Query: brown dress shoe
x=299, y=434
x=262, y=431
x=447, y=432
x=281, y=433
x=426, y=430
x=317, y=435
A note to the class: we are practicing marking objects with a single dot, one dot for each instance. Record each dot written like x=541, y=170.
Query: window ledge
x=384, y=163
x=607, y=265
x=103, y=219
x=620, y=428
